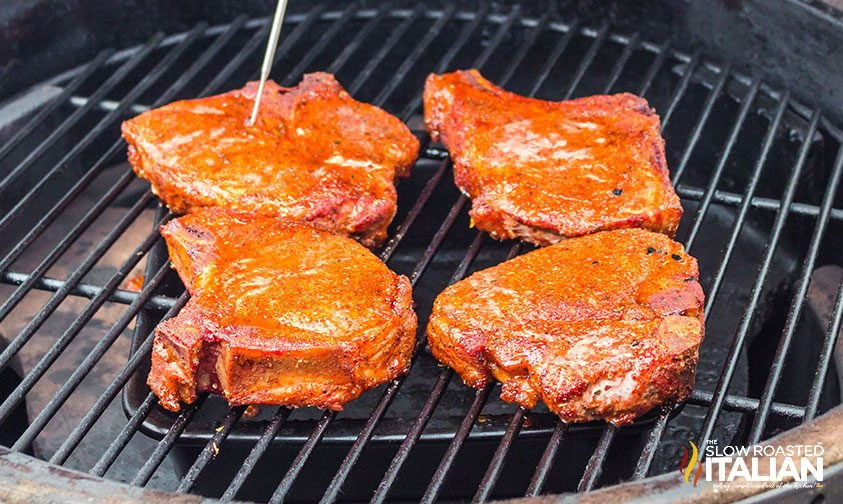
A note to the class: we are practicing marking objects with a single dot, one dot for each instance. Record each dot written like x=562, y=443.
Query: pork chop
x=605, y=326
x=543, y=171
x=313, y=154
x=280, y=313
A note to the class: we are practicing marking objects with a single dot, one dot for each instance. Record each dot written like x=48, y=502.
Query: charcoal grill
x=754, y=150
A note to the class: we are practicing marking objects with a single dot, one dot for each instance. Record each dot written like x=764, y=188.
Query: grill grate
x=758, y=174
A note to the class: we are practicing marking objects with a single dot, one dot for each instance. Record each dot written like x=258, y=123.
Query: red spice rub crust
x=543, y=171
x=606, y=326
x=314, y=154
x=280, y=313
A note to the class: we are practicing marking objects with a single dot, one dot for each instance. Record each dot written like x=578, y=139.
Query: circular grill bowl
x=735, y=136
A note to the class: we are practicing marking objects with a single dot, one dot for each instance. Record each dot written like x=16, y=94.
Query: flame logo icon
x=690, y=461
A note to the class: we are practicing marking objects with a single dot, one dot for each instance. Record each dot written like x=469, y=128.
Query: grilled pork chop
x=543, y=171
x=313, y=154
x=280, y=313
x=605, y=326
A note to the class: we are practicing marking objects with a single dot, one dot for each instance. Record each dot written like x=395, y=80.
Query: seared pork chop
x=543, y=171
x=313, y=154
x=280, y=313
x=605, y=326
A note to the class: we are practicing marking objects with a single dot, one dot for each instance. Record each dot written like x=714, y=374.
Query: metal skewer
x=269, y=56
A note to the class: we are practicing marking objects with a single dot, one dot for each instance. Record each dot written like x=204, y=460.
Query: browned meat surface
x=605, y=326
x=543, y=171
x=280, y=313
x=314, y=154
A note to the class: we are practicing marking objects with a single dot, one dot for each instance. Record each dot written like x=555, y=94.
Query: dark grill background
x=758, y=174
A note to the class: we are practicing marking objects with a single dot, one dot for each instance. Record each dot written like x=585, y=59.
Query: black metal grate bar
x=500, y=34
x=91, y=359
x=103, y=124
x=56, y=299
x=249, y=48
x=413, y=436
x=442, y=470
x=487, y=484
x=595, y=464
x=648, y=452
x=554, y=56
x=256, y=453
x=414, y=57
x=587, y=60
x=737, y=225
x=55, y=103
x=514, y=426
x=825, y=356
x=715, y=177
x=164, y=446
x=680, y=91
x=433, y=398
x=74, y=118
x=86, y=290
x=389, y=45
x=547, y=459
x=430, y=186
x=445, y=63
x=524, y=49
x=620, y=63
x=287, y=44
x=114, y=191
x=209, y=452
x=746, y=404
x=301, y=457
x=649, y=449
x=359, y=38
x=713, y=96
x=766, y=402
x=123, y=438
x=383, y=404
x=108, y=395
x=658, y=63
x=731, y=199
x=749, y=311
x=166, y=443
x=321, y=44
x=50, y=356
